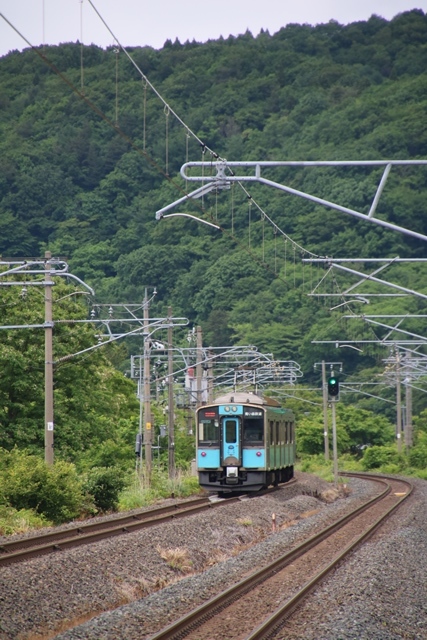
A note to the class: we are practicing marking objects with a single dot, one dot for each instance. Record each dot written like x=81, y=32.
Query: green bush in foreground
x=383, y=457
x=13, y=521
x=140, y=494
x=104, y=485
x=54, y=492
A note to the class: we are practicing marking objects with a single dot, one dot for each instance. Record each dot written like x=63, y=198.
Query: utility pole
x=199, y=369
x=48, y=394
x=171, y=416
x=147, y=403
x=398, y=404
x=139, y=439
x=408, y=425
x=325, y=410
x=210, y=382
x=408, y=402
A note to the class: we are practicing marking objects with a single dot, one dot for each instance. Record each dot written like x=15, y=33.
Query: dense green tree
x=92, y=399
x=74, y=184
x=356, y=429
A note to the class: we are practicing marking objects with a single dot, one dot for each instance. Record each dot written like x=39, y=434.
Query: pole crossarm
x=226, y=367
x=363, y=260
x=226, y=175
x=339, y=342
x=52, y=267
x=363, y=278
x=114, y=337
x=391, y=329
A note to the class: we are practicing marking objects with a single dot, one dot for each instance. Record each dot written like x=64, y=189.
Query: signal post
x=333, y=396
x=326, y=399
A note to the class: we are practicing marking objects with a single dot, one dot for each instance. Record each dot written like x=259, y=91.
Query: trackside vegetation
x=72, y=184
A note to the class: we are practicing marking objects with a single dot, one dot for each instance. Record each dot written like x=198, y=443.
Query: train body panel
x=244, y=443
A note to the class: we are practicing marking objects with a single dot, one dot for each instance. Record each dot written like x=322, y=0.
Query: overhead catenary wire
x=81, y=48
x=205, y=148
x=152, y=87
x=136, y=147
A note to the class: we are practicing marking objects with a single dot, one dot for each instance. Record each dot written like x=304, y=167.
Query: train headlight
x=234, y=409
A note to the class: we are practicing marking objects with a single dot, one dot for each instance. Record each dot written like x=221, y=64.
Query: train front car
x=244, y=443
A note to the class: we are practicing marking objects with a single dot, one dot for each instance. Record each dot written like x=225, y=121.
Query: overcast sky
x=151, y=22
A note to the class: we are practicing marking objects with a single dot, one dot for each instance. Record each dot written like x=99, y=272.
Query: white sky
x=151, y=22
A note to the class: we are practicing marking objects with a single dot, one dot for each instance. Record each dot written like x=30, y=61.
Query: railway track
x=54, y=541
x=275, y=591
x=59, y=540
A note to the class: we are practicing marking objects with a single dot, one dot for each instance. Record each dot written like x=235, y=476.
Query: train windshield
x=209, y=431
x=231, y=431
x=253, y=431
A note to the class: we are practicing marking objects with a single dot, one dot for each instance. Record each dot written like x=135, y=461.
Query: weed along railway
x=210, y=572
x=58, y=540
x=75, y=536
x=257, y=607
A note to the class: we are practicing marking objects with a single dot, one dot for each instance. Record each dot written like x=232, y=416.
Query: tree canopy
x=85, y=165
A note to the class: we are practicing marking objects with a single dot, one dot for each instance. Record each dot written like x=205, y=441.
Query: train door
x=231, y=449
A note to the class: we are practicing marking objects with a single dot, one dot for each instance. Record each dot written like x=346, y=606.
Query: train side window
x=271, y=432
x=277, y=433
x=282, y=432
x=287, y=432
x=253, y=431
x=292, y=434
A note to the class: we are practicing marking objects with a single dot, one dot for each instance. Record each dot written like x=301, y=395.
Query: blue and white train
x=244, y=443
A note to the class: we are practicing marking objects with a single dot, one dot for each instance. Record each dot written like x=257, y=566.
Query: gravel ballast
x=146, y=579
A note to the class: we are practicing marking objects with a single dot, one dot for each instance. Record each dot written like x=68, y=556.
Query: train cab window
x=253, y=431
x=209, y=431
x=231, y=431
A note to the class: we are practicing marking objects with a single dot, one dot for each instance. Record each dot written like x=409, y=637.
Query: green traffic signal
x=333, y=386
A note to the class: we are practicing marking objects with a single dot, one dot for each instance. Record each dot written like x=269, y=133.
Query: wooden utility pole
x=210, y=381
x=171, y=413
x=199, y=368
x=48, y=374
x=147, y=402
x=398, y=404
x=325, y=410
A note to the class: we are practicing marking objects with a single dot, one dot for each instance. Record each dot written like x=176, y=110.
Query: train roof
x=244, y=397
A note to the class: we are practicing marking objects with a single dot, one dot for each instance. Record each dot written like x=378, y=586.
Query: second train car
x=245, y=442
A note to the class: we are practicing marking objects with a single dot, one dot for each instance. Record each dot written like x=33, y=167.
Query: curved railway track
x=275, y=591
x=58, y=540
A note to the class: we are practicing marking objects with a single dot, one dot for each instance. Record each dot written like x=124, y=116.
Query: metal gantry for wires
x=364, y=278
x=226, y=175
x=237, y=368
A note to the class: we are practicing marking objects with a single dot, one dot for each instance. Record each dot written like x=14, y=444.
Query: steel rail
x=270, y=626
x=190, y=621
x=25, y=548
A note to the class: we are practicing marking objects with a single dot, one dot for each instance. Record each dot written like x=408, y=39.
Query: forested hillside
x=83, y=175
